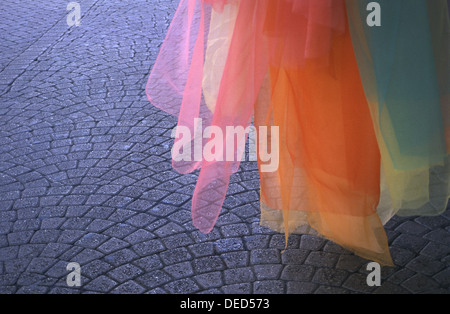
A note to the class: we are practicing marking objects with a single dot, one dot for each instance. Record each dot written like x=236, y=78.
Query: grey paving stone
x=236, y=259
x=239, y=275
x=71, y=253
x=331, y=290
x=53, y=212
x=294, y=256
x=432, y=222
x=31, y=279
x=8, y=279
x=8, y=253
x=8, y=215
x=178, y=240
x=330, y=276
x=59, y=271
x=21, y=237
x=169, y=229
x=350, y=263
x=86, y=256
x=52, y=223
x=420, y=284
x=129, y=287
x=119, y=215
x=267, y=272
x=99, y=225
x=181, y=217
x=96, y=268
x=265, y=256
x=208, y=264
x=334, y=248
x=181, y=270
x=357, y=283
x=26, y=224
x=278, y=241
x=443, y=277
x=45, y=236
x=176, y=199
x=390, y=289
x=441, y=236
x=5, y=227
x=40, y=265
x=7, y=290
x=309, y=242
x=298, y=287
x=161, y=210
x=139, y=236
x=64, y=291
x=411, y=227
x=71, y=236
x=33, y=290
x=425, y=265
x=112, y=245
x=26, y=202
x=92, y=240
x=101, y=284
x=54, y=250
x=153, y=279
x=322, y=259
x=16, y=266
x=99, y=212
x=256, y=241
x=229, y=245
x=73, y=200
x=124, y=273
x=234, y=230
x=200, y=237
x=182, y=286
x=148, y=247
x=297, y=273
x=141, y=220
x=242, y=288
x=174, y=256
x=209, y=280
x=202, y=249
x=78, y=223
x=121, y=257
x=269, y=287
x=97, y=199
x=410, y=242
x=149, y=263
x=3, y=241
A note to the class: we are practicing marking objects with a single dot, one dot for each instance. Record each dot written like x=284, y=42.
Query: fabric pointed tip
x=203, y=226
x=388, y=262
x=384, y=260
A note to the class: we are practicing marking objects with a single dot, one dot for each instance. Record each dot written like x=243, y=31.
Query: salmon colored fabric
x=319, y=87
x=329, y=174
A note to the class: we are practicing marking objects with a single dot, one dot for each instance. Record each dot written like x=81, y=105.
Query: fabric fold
x=404, y=66
x=357, y=116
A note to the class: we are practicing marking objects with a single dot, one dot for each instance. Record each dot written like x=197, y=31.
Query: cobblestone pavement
x=86, y=177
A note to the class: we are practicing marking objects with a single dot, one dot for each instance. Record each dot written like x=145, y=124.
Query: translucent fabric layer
x=405, y=69
x=209, y=76
x=357, y=118
x=329, y=173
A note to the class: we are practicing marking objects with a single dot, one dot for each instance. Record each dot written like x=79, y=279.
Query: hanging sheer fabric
x=209, y=76
x=328, y=177
x=405, y=69
x=327, y=98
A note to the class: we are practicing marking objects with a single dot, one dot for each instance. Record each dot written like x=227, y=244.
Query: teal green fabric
x=407, y=88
